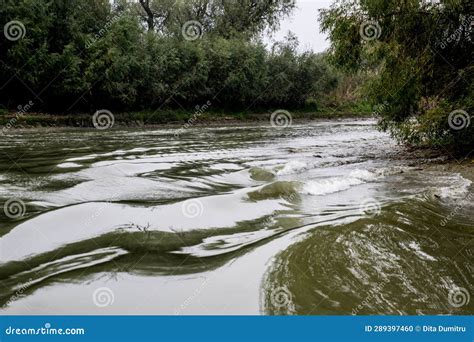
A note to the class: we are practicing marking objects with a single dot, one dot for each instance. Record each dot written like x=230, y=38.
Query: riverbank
x=171, y=117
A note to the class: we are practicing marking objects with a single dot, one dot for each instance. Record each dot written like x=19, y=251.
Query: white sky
x=304, y=24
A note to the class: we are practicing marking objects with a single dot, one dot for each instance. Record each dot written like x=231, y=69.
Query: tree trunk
x=150, y=17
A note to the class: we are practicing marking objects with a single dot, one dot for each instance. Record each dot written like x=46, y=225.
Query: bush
x=420, y=54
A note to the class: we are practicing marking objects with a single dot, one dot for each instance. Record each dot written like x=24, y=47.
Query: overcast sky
x=304, y=24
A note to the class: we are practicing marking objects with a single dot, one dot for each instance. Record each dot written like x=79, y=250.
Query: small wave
x=68, y=165
x=459, y=189
x=293, y=166
x=259, y=174
x=220, y=244
x=415, y=247
x=363, y=175
x=332, y=185
x=280, y=189
x=70, y=263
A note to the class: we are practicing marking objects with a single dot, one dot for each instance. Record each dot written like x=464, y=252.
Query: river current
x=317, y=218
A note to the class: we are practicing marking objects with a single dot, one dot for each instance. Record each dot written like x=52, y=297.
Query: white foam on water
x=68, y=165
x=363, y=175
x=88, y=157
x=415, y=247
x=336, y=184
x=293, y=166
x=459, y=188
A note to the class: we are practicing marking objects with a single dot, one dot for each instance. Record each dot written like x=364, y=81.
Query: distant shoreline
x=169, y=118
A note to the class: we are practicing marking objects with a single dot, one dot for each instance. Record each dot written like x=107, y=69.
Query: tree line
x=412, y=60
x=70, y=56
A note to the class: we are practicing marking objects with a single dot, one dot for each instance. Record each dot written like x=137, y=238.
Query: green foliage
x=223, y=18
x=421, y=54
x=87, y=55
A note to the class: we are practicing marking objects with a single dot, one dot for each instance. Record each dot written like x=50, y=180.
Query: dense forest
x=411, y=61
x=84, y=55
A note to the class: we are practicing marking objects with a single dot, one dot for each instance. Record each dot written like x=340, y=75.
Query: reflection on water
x=314, y=219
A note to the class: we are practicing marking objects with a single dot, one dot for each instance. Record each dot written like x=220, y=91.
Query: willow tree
x=71, y=56
x=224, y=18
x=422, y=54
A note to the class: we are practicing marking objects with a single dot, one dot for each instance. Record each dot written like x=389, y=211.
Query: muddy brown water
x=313, y=219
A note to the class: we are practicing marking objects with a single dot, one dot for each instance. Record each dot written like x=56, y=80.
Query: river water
x=317, y=218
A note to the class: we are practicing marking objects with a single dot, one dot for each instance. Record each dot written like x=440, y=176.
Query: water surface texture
x=320, y=218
